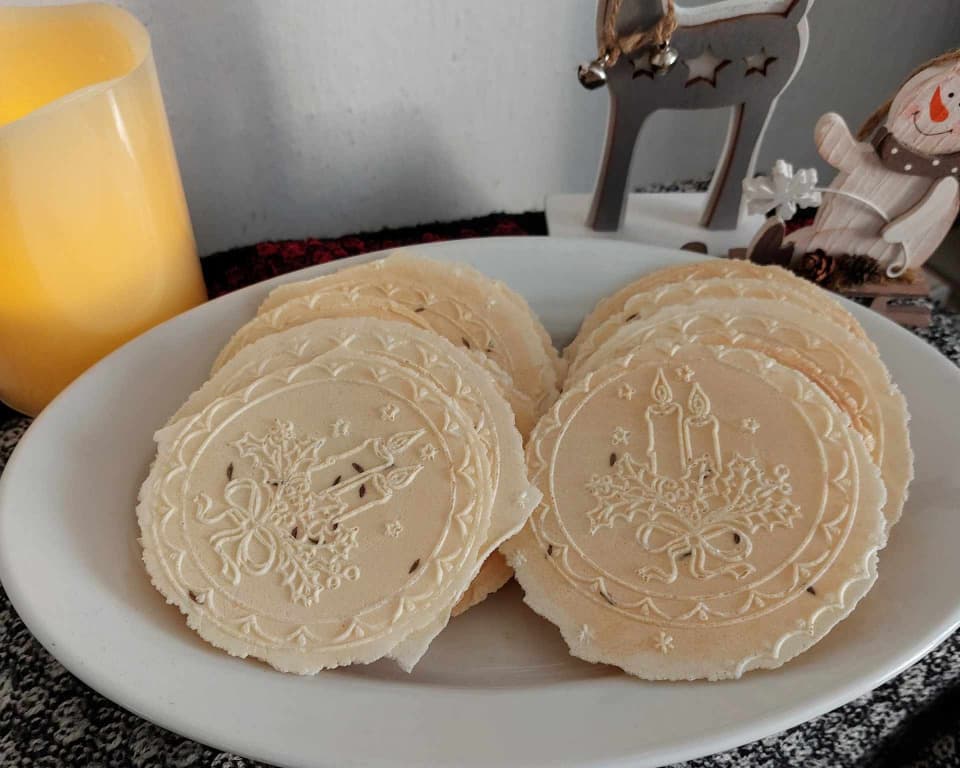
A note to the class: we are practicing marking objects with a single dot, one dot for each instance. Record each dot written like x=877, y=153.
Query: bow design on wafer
x=290, y=515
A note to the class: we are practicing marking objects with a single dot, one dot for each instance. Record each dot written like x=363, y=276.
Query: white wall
x=296, y=118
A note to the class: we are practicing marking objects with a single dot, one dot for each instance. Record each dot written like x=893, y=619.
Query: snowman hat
x=878, y=117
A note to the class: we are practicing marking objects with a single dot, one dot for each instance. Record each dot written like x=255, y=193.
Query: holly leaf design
x=747, y=496
x=280, y=455
x=704, y=521
x=629, y=488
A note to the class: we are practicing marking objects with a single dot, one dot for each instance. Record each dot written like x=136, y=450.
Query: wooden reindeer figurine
x=735, y=53
x=896, y=194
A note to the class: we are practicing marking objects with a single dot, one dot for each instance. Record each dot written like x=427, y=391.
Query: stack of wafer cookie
x=338, y=488
x=718, y=476
x=707, y=496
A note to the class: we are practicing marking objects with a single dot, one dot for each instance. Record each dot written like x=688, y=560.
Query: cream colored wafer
x=704, y=270
x=292, y=522
x=458, y=302
x=409, y=265
x=494, y=574
x=346, y=303
x=706, y=512
x=451, y=368
x=850, y=374
x=641, y=306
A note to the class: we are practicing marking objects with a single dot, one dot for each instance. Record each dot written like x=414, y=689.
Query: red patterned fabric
x=238, y=267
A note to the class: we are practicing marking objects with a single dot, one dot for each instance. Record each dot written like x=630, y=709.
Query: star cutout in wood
x=704, y=68
x=758, y=63
x=642, y=66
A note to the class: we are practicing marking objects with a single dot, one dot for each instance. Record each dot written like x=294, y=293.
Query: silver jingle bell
x=663, y=60
x=593, y=75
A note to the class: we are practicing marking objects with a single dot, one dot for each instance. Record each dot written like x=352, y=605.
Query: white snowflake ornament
x=782, y=190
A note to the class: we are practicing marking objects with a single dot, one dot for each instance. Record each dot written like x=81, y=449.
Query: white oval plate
x=497, y=687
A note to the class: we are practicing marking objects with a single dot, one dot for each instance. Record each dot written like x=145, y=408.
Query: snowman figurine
x=896, y=194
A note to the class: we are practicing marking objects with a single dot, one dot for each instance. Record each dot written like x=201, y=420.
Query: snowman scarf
x=901, y=159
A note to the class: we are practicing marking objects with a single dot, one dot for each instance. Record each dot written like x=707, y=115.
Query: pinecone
x=853, y=269
x=818, y=267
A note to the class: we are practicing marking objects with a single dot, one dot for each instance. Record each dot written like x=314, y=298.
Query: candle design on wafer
x=291, y=513
x=664, y=427
x=701, y=430
x=692, y=511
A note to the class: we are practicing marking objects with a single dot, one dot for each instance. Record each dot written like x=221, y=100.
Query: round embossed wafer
x=851, y=375
x=459, y=303
x=347, y=303
x=291, y=522
x=450, y=368
x=706, y=270
x=399, y=260
x=643, y=305
x=706, y=512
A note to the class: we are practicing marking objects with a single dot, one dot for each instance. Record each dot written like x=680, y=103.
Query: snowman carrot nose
x=938, y=112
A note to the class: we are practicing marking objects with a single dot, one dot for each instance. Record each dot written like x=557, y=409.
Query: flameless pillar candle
x=95, y=239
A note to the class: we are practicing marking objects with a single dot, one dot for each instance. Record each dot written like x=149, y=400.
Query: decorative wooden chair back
x=733, y=53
